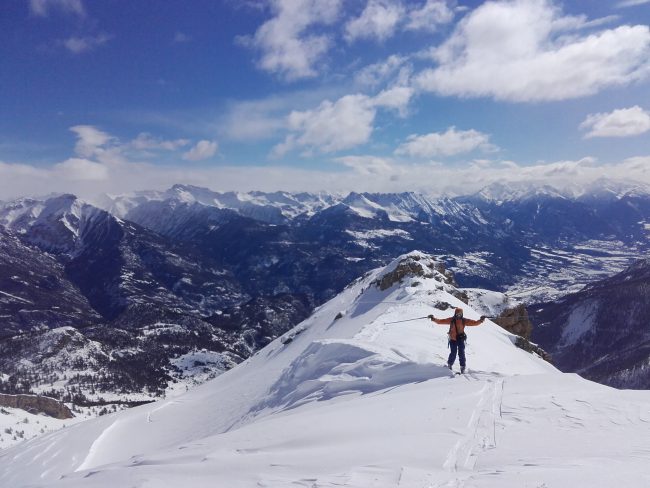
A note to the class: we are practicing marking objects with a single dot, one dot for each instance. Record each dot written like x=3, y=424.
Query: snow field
x=359, y=401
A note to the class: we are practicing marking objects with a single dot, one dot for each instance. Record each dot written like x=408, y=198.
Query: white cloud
x=429, y=16
x=146, y=141
x=332, y=126
x=42, y=8
x=346, y=123
x=377, y=73
x=358, y=173
x=528, y=50
x=448, y=143
x=105, y=148
x=397, y=98
x=631, y=3
x=202, y=150
x=77, y=169
x=91, y=141
x=367, y=165
x=79, y=45
x=286, y=49
x=379, y=21
x=624, y=122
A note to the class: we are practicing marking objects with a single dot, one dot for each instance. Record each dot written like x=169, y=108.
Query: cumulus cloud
x=346, y=123
x=42, y=8
x=397, y=98
x=103, y=147
x=285, y=47
x=377, y=73
x=378, y=21
x=79, y=45
x=624, y=122
x=430, y=16
x=381, y=19
x=202, y=150
x=528, y=50
x=90, y=140
x=448, y=143
x=332, y=126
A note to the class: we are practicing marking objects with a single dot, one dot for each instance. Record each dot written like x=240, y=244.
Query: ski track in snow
x=481, y=434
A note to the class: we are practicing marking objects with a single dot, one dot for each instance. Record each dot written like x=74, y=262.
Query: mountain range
x=137, y=296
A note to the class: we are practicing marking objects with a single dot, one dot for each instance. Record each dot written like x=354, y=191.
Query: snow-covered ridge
x=55, y=223
x=603, y=188
x=398, y=207
x=358, y=395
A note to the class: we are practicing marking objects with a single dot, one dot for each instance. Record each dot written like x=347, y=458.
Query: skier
x=457, y=335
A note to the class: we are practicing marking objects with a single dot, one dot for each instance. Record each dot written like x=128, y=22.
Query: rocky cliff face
x=516, y=320
x=37, y=405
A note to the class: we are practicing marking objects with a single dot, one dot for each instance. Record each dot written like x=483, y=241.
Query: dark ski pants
x=456, y=346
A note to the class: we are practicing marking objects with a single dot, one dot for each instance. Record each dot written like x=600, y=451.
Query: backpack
x=459, y=337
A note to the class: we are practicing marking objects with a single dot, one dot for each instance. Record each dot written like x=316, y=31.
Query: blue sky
x=384, y=95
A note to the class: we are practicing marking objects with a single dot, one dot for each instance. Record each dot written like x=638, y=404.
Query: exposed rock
x=412, y=265
x=516, y=321
x=531, y=347
x=415, y=264
x=442, y=305
x=36, y=405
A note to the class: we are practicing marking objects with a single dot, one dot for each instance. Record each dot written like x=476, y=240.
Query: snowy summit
x=358, y=395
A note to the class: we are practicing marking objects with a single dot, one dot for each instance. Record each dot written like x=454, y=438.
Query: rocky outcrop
x=37, y=405
x=418, y=264
x=516, y=321
x=533, y=348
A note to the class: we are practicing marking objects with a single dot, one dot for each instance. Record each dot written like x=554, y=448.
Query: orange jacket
x=460, y=325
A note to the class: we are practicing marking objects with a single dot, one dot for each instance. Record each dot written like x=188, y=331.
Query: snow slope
x=348, y=398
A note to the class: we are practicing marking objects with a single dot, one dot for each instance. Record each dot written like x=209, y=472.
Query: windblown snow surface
x=361, y=402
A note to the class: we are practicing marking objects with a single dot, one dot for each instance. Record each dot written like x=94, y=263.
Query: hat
x=458, y=311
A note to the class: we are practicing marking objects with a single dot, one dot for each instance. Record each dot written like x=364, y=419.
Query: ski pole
x=407, y=320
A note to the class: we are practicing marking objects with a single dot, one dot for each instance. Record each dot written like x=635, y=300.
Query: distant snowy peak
x=602, y=189
x=54, y=224
x=18, y=214
x=510, y=192
x=275, y=207
x=605, y=189
x=281, y=207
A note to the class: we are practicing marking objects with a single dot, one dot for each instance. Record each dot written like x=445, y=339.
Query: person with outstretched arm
x=457, y=335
